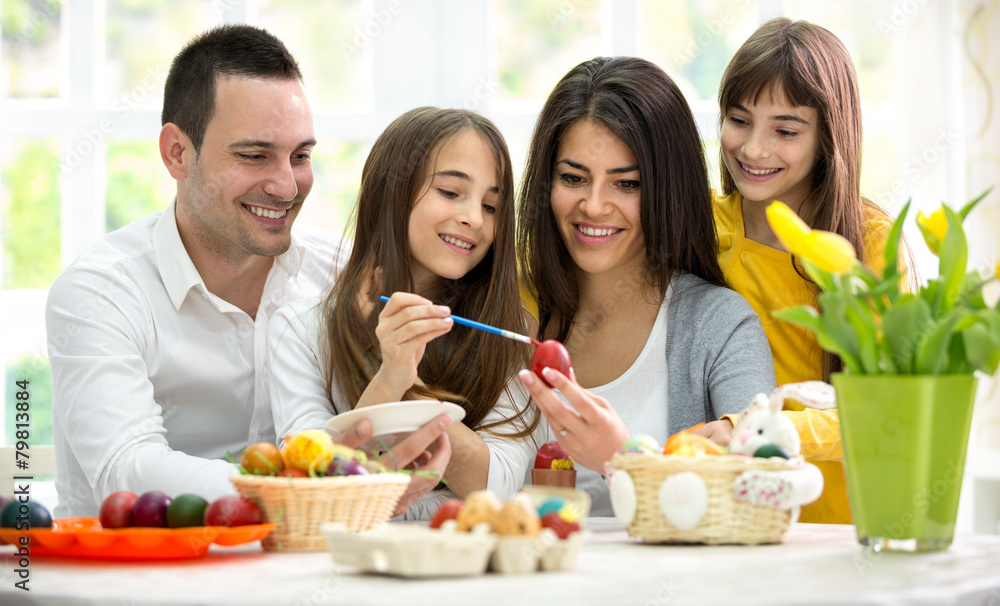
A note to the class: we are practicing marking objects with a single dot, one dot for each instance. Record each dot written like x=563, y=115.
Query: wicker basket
x=301, y=505
x=726, y=520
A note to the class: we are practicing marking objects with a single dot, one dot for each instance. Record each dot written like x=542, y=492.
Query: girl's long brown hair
x=812, y=68
x=646, y=111
x=465, y=366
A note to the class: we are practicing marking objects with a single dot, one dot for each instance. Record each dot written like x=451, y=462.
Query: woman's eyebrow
x=610, y=171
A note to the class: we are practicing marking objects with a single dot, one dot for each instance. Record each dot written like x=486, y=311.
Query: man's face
x=247, y=183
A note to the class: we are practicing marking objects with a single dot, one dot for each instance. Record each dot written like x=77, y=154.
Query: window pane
x=29, y=201
x=138, y=183
x=142, y=38
x=856, y=24
x=30, y=49
x=693, y=41
x=538, y=42
x=337, y=171
x=331, y=42
x=35, y=370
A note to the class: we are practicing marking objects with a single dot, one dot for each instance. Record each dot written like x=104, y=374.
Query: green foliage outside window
x=138, y=183
x=31, y=223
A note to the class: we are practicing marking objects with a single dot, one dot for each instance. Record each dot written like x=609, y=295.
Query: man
x=156, y=334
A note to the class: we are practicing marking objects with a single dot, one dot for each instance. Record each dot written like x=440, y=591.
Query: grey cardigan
x=718, y=357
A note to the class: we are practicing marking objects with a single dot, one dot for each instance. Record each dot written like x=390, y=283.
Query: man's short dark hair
x=229, y=50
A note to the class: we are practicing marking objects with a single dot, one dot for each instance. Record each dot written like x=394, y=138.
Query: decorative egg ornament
x=684, y=499
x=623, y=496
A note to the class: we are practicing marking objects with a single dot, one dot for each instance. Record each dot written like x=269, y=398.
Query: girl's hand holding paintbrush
x=405, y=325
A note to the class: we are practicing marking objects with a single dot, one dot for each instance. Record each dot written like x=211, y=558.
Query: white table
x=816, y=564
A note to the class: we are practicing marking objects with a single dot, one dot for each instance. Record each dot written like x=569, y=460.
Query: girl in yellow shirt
x=791, y=131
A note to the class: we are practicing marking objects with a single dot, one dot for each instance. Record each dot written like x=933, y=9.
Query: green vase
x=904, y=439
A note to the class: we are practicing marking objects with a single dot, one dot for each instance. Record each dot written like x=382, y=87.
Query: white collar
x=177, y=270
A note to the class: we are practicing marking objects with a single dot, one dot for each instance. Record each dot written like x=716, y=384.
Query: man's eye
x=251, y=157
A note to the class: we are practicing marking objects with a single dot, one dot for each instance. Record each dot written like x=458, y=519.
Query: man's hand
x=412, y=452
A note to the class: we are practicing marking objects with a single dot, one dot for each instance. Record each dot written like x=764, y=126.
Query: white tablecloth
x=816, y=564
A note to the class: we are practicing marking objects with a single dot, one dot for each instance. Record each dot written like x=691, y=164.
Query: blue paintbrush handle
x=481, y=326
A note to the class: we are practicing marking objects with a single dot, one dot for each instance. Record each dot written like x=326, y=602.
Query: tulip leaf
x=932, y=346
x=972, y=203
x=838, y=335
x=953, y=256
x=891, y=251
x=982, y=347
x=932, y=241
x=805, y=316
x=820, y=277
x=867, y=347
x=901, y=326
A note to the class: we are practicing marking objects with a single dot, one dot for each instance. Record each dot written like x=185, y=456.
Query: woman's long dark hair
x=465, y=366
x=644, y=109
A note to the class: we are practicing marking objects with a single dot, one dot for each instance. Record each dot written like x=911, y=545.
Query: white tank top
x=639, y=396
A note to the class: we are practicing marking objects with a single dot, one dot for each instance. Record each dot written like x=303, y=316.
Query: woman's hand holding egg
x=591, y=433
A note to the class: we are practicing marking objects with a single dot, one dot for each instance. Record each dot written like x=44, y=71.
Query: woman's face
x=595, y=200
x=452, y=224
x=770, y=149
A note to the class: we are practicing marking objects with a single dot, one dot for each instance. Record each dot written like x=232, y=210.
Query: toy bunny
x=764, y=423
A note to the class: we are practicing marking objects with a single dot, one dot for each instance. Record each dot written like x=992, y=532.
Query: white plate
x=394, y=420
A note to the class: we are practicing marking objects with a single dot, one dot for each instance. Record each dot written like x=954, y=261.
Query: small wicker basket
x=301, y=505
x=726, y=520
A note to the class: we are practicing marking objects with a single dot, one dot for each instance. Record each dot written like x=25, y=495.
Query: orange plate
x=84, y=538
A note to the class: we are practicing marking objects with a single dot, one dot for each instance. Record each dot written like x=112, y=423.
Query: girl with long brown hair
x=434, y=231
x=790, y=115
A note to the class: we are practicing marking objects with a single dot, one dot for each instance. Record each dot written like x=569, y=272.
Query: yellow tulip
x=829, y=251
x=998, y=270
x=787, y=226
x=933, y=227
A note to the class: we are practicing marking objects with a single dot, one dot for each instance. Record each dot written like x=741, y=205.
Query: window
x=81, y=88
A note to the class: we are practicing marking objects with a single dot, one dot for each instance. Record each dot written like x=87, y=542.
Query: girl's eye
x=787, y=133
x=571, y=179
x=490, y=209
x=737, y=120
x=447, y=193
x=629, y=185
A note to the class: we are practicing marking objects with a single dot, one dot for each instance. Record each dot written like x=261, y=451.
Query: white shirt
x=155, y=380
x=639, y=396
x=300, y=401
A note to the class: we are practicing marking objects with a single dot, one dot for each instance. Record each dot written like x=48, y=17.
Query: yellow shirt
x=767, y=279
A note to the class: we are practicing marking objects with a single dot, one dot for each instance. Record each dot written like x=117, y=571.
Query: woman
x=617, y=246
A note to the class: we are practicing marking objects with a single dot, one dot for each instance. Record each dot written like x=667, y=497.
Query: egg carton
x=417, y=551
